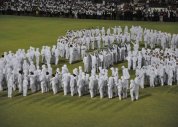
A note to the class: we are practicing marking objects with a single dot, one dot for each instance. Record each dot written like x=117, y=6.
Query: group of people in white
x=105, y=58
x=153, y=66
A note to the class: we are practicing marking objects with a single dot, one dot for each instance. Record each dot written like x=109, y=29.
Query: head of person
x=131, y=81
x=43, y=66
x=65, y=66
x=123, y=67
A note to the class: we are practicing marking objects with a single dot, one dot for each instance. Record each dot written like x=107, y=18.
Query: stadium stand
x=147, y=10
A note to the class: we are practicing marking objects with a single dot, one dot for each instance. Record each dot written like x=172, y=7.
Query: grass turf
x=156, y=107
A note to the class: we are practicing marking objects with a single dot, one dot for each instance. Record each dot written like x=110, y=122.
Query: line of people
x=77, y=83
x=23, y=68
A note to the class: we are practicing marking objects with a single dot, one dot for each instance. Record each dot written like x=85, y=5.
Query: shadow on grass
x=3, y=94
x=122, y=107
x=173, y=89
x=28, y=99
x=18, y=94
x=57, y=102
x=144, y=96
x=98, y=104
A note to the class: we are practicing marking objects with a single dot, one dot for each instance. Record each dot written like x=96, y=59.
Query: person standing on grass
x=92, y=85
x=37, y=55
x=119, y=89
x=66, y=83
x=126, y=75
x=20, y=81
x=32, y=78
x=43, y=83
x=80, y=84
x=10, y=86
x=101, y=86
x=25, y=86
x=53, y=82
x=110, y=87
x=73, y=84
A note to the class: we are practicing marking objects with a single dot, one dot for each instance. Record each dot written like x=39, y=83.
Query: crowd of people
x=87, y=9
x=32, y=70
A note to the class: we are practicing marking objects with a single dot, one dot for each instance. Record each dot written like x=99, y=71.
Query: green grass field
x=157, y=107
